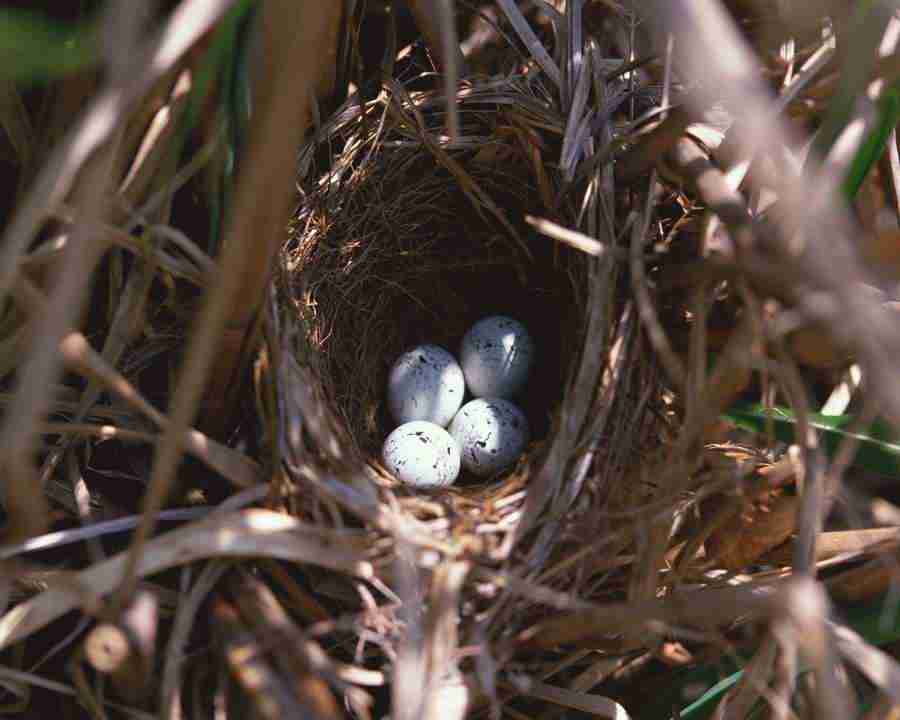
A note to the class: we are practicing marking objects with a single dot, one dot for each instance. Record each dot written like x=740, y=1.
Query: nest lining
x=404, y=242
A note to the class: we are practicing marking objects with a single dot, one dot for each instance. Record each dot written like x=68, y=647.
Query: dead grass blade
x=94, y=530
x=448, y=698
x=531, y=41
x=297, y=654
x=155, y=149
x=295, y=657
x=254, y=684
x=644, y=300
x=231, y=464
x=251, y=533
x=881, y=669
x=283, y=106
x=170, y=687
x=721, y=197
x=802, y=609
x=437, y=21
x=576, y=91
x=196, y=269
x=410, y=690
x=573, y=238
x=282, y=120
x=845, y=543
x=78, y=355
x=710, y=608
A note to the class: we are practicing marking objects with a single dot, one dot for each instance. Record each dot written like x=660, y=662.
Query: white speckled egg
x=491, y=433
x=425, y=383
x=496, y=356
x=422, y=454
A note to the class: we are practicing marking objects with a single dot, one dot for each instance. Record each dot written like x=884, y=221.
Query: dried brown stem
x=283, y=118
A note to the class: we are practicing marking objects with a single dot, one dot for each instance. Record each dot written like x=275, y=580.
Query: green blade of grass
x=223, y=70
x=34, y=48
x=872, y=148
x=868, y=24
x=704, y=705
x=878, y=449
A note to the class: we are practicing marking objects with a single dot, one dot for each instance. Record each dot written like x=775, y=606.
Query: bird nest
x=405, y=236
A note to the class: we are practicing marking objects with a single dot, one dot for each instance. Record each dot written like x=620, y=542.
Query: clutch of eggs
x=426, y=388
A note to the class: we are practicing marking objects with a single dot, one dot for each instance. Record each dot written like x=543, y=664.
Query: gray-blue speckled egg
x=496, y=356
x=422, y=454
x=426, y=383
x=491, y=434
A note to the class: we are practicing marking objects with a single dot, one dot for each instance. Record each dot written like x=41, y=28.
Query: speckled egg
x=422, y=454
x=425, y=383
x=496, y=356
x=491, y=434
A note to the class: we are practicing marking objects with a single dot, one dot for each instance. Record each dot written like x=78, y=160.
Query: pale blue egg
x=425, y=383
x=491, y=434
x=421, y=454
x=496, y=356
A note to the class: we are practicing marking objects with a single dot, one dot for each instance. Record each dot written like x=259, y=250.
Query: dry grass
x=668, y=264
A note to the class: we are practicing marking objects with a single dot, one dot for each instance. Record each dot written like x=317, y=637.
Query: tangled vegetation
x=225, y=218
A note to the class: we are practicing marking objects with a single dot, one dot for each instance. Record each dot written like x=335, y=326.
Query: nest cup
x=408, y=238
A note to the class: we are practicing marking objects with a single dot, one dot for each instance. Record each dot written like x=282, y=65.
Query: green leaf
x=872, y=148
x=34, y=48
x=704, y=705
x=878, y=448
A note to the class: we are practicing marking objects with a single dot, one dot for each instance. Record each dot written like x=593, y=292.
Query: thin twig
x=259, y=533
x=646, y=311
